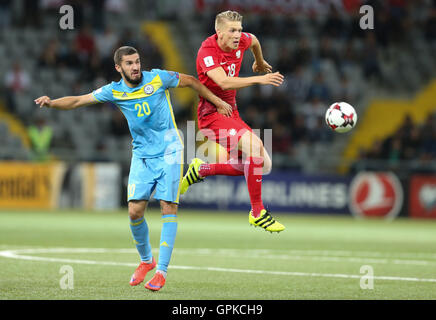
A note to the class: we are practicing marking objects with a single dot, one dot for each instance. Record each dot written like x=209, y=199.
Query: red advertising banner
x=376, y=194
x=422, y=194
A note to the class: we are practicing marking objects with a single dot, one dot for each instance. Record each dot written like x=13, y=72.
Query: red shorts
x=223, y=130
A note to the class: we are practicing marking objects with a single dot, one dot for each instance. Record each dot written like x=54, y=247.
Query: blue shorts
x=163, y=174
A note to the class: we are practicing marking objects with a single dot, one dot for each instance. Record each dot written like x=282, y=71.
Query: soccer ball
x=341, y=117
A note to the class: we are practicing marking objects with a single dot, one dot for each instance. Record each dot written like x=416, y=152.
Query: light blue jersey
x=148, y=110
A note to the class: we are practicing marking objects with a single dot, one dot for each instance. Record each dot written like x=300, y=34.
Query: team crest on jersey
x=238, y=54
x=148, y=89
x=232, y=132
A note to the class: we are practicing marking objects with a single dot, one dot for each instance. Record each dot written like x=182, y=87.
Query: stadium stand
x=317, y=45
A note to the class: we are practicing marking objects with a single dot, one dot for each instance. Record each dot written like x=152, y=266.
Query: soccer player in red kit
x=218, y=63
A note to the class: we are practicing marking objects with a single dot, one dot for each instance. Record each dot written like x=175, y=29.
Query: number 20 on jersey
x=143, y=110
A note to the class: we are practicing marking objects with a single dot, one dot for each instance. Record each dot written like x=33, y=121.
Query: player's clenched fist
x=43, y=101
x=276, y=79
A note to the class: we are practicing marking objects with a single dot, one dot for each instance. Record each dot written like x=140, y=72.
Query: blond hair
x=227, y=15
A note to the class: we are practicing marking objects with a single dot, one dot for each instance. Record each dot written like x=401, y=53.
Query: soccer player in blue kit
x=157, y=156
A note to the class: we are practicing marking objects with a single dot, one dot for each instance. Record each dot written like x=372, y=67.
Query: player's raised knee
x=251, y=145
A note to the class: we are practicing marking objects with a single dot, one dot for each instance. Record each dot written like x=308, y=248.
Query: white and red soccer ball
x=341, y=117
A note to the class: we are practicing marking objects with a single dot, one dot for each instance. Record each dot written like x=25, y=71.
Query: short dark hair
x=123, y=51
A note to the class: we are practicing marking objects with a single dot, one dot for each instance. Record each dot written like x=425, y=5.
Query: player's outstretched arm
x=219, y=76
x=190, y=81
x=259, y=64
x=66, y=103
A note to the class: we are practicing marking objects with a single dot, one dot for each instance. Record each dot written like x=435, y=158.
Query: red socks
x=251, y=169
x=253, y=176
x=224, y=169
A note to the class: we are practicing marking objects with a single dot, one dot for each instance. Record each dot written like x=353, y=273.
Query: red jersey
x=211, y=56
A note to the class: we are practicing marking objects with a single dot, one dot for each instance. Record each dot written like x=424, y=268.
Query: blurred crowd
x=31, y=13
x=87, y=55
x=411, y=143
x=325, y=57
x=90, y=53
x=331, y=58
x=299, y=106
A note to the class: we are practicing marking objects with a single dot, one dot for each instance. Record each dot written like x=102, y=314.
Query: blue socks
x=141, y=238
x=139, y=229
x=167, y=239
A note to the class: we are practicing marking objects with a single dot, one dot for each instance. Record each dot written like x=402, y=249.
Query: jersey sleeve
x=207, y=60
x=246, y=40
x=170, y=79
x=103, y=94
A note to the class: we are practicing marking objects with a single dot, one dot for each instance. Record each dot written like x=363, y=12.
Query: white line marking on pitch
x=253, y=254
x=17, y=254
x=267, y=254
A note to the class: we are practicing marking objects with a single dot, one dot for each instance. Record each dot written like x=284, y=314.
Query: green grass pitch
x=218, y=256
